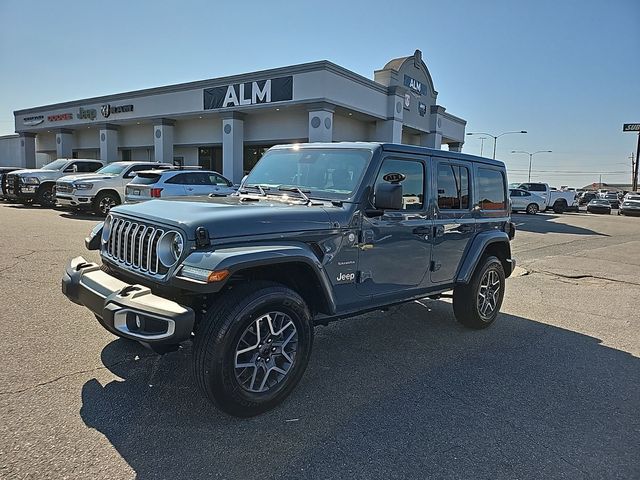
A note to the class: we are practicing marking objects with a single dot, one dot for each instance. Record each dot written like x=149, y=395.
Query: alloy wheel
x=106, y=204
x=266, y=352
x=488, y=294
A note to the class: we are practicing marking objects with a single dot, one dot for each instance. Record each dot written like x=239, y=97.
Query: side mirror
x=74, y=168
x=388, y=196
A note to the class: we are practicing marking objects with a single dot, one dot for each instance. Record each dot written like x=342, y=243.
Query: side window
x=525, y=194
x=136, y=168
x=453, y=187
x=69, y=168
x=87, y=167
x=180, y=179
x=218, y=180
x=491, y=193
x=514, y=193
x=412, y=185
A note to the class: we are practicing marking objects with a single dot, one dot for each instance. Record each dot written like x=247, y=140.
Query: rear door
x=454, y=221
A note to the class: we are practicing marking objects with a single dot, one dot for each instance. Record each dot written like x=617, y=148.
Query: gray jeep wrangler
x=317, y=232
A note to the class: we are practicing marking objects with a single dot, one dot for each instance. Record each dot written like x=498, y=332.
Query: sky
x=566, y=71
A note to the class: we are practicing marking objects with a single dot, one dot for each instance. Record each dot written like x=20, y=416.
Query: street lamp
x=530, y=157
x=495, y=138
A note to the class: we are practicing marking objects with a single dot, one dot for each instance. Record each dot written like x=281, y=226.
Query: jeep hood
x=232, y=216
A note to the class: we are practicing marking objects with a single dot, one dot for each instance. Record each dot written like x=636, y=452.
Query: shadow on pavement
x=80, y=216
x=542, y=223
x=405, y=394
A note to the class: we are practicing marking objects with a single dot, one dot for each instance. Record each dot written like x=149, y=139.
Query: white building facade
x=225, y=124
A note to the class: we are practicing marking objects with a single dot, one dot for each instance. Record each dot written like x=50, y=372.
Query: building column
x=431, y=140
x=390, y=129
x=233, y=146
x=27, y=150
x=456, y=147
x=321, y=123
x=163, y=140
x=64, y=143
x=109, y=143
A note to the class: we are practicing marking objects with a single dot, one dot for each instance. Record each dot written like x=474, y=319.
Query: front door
x=454, y=221
x=395, y=248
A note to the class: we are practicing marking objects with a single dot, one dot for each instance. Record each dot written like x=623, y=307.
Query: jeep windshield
x=332, y=173
x=55, y=165
x=113, y=169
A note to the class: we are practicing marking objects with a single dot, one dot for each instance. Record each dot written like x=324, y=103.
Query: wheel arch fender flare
x=244, y=259
x=477, y=248
x=109, y=190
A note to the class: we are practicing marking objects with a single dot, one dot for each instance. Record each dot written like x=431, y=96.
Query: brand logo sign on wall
x=106, y=110
x=33, y=120
x=59, y=117
x=414, y=85
x=249, y=93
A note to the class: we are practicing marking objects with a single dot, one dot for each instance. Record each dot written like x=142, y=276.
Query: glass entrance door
x=210, y=158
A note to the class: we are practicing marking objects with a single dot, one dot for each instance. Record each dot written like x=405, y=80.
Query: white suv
x=101, y=190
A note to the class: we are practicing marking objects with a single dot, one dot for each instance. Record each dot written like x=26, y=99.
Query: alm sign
x=249, y=93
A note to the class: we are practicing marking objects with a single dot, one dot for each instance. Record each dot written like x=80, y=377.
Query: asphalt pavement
x=551, y=390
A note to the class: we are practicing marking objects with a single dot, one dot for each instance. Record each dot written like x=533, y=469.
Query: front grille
x=64, y=187
x=13, y=184
x=135, y=246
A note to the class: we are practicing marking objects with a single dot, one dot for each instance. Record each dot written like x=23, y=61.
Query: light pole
x=482, y=139
x=530, y=157
x=495, y=138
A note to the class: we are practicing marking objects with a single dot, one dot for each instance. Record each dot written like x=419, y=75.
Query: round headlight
x=170, y=248
x=106, y=229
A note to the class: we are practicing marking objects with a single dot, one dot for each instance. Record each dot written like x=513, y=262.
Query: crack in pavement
x=580, y=276
x=71, y=374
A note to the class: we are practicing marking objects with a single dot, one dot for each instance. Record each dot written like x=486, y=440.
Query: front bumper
x=630, y=210
x=129, y=311
x=74, y=201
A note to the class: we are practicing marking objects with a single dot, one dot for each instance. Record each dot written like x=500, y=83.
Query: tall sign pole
x=634, y=127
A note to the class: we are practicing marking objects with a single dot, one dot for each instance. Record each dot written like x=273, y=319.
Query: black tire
x=467, y=298
x=104, y=202
x=532, y=209
x=45, y=196
x=217, y=343
x=560, y=206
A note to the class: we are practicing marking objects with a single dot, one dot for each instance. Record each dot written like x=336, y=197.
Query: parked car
x=599, y=205
x=521, y=200
x=559, y=201
x=319, y=232
x=102, y=190
x=37, y=185
x=630, y=205
x=612, y=198
x=586, y=197
x=150, y=184
x=3, y=176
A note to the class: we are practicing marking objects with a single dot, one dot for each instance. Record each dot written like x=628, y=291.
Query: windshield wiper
x=293, y=188
x=260, y=188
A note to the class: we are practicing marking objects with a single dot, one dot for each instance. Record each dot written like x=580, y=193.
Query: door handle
x=422, y=231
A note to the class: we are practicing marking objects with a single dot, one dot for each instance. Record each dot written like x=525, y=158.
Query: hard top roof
x=399, y=148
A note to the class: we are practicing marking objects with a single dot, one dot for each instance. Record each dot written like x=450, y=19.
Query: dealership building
x=225, y=124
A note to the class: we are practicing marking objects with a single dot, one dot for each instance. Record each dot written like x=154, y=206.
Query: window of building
x=453, y=187
x=412, y=185
x=491, y=192
x=210, y=158
x=252, y=153
x=126, y=155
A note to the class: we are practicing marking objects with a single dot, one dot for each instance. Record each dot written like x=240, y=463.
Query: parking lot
x=552, y=390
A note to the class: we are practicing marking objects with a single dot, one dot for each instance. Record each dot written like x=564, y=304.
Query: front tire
x=532, y=209
x=252, y=347
x=45, y=196
x=104, y=202
x=477, y=304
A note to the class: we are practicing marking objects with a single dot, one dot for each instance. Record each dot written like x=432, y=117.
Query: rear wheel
x=252, y=347
x=45, y=196
x=104, y=202
x=532, y=208
x=560, y=206
x=476, y=304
